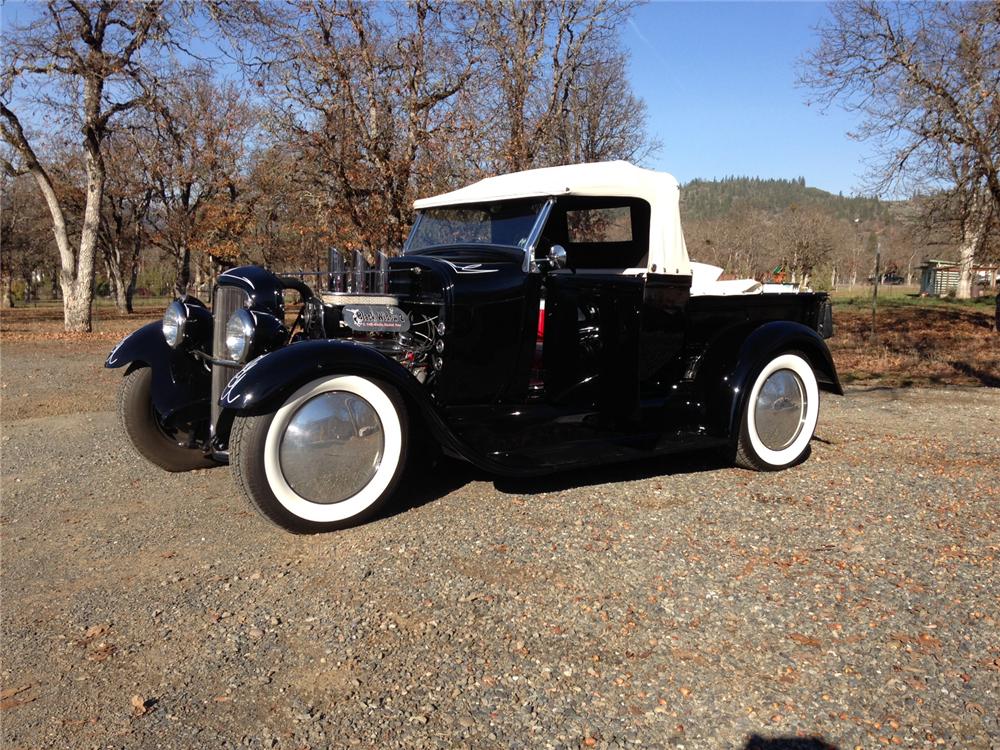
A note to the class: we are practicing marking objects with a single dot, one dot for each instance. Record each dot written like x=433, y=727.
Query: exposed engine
x=410, y=333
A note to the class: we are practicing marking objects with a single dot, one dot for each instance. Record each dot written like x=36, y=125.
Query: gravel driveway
x=851, y=601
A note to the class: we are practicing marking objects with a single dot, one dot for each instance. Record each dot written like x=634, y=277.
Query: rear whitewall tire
x=255, y=445
x=752, y=453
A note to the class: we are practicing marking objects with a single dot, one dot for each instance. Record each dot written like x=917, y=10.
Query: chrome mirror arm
x=536, y=232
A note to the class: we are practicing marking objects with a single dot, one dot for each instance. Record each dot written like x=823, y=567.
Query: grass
x=864, y=301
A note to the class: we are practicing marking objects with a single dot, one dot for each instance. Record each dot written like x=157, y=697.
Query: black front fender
x=181, y=383
x=735, y=358
x=266, y=382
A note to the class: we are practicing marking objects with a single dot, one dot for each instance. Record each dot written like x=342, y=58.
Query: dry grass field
x=919, y=342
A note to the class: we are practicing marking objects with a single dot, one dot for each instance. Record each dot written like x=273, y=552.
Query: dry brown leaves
x=9, y=697
x=917, y=345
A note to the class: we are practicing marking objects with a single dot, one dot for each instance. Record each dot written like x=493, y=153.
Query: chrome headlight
x=239, y=335
x=174, y=321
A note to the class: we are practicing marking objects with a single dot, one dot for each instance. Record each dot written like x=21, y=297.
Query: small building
x=939, y=277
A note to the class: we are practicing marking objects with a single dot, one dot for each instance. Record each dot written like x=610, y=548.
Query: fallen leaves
x=101, y=652
x=924, y=643
x=94, y=632
x=141, y=705
x=920, y=344
x=805, y=640
x=9, y=699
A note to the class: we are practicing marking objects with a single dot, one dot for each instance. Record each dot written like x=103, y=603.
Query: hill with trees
x=713, y=199
x=783, y=229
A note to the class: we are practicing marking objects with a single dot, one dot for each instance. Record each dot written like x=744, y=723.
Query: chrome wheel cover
x=331, y=447
x=780, y=410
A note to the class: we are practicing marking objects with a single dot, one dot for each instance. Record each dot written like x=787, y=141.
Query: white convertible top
x=619, y=179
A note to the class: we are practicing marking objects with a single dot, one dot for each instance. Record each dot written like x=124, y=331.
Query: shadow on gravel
x=989, y=379
x=449, y=475
x=756, y=742
x=664, y=466
x=431, y=483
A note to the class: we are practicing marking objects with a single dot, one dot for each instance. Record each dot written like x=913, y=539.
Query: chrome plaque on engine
x=375, y=318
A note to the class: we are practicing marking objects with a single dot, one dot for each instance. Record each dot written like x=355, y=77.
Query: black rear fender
x=181, y=382
x=733, y=360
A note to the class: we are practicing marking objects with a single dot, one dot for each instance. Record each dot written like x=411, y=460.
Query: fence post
x=359, y=272
x=337, y=281
x=383, y=272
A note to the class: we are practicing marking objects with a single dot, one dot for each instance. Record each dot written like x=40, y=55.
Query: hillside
x=713, y=199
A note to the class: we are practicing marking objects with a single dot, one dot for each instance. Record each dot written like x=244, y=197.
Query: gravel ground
x=849, y=602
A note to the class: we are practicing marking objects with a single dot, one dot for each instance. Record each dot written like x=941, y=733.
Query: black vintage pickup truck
x=534, y=322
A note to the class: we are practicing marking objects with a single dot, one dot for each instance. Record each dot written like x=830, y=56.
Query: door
x=590, y=346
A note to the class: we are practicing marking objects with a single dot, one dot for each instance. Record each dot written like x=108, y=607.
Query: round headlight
x=239, y=335
x=174, y=320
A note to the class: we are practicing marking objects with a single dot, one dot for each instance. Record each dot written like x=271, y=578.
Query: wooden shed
x=939, y=277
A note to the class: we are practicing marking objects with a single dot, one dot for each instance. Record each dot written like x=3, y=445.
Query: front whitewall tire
x=371, y=492
x=256, y=456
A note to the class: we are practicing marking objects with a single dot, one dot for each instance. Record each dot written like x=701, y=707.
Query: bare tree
x=363, y=96
x=86, y=57
x=557, y=74
x=806, y=240
x=743, y=243
x=925, y=78
x=24, y=226
x=123, y=231
x=603, y=118
x=191, y=149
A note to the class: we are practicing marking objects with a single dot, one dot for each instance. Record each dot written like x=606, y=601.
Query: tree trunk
x=183, y=271
x=199, y=277
x=29, y=287
x=133, y=276
x=113, y=268
x=968, y=254
x=77, y=280
x=77, y=312
x=6, y=293
x=833, y=278
x=118, y=288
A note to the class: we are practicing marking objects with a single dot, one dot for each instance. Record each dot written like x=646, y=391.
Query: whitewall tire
x=328, y=458
x=779, y=415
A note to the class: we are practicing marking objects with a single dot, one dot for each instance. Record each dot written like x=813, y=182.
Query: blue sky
x=719, y=83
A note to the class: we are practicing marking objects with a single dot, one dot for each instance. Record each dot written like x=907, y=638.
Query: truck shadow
x=449, y=475
x=630, y=471
x=756, y=742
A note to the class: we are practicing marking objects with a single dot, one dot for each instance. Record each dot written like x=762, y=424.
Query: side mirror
x=557, y=257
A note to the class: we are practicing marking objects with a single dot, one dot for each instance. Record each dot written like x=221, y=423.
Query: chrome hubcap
x=331, y=447
x=780, y=410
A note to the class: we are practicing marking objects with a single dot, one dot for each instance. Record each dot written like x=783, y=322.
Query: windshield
x=508, y=224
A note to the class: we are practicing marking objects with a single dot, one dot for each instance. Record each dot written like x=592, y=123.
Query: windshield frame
x=528, y=250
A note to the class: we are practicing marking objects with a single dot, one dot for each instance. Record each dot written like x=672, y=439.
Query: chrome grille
x=228, y=299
